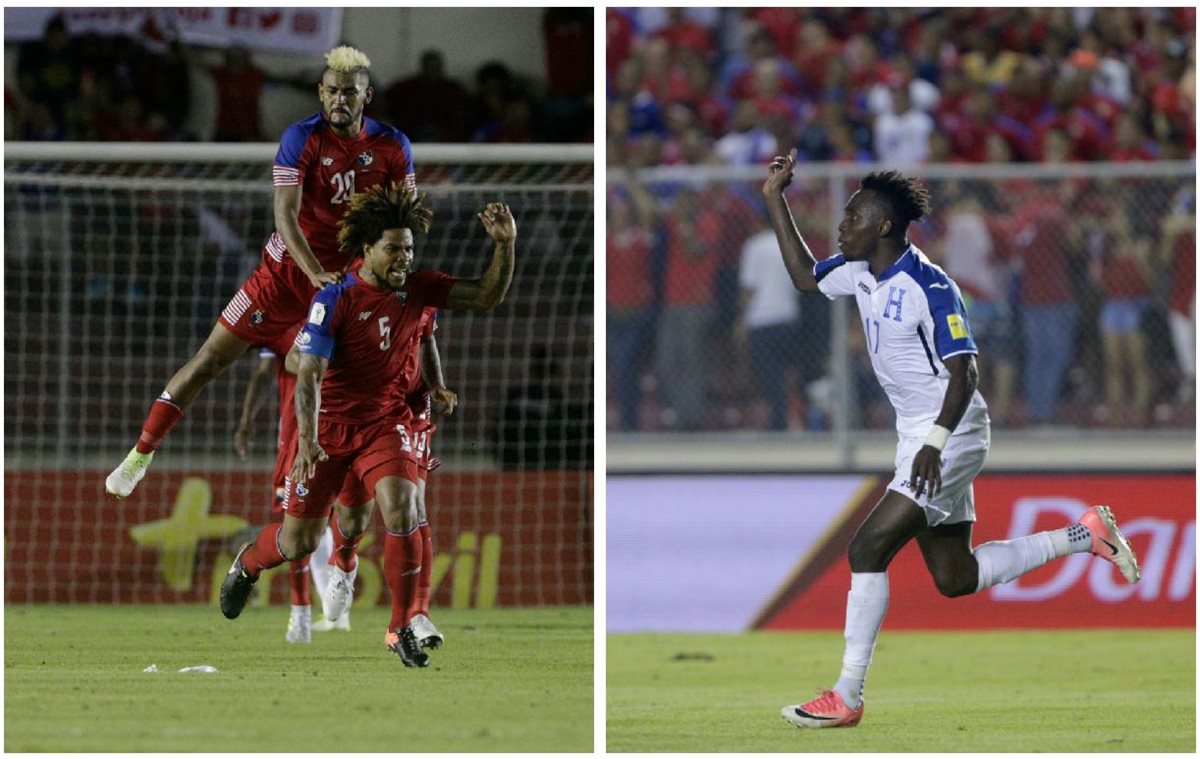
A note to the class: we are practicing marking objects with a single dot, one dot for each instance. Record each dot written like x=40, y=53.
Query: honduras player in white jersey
x=922, y=351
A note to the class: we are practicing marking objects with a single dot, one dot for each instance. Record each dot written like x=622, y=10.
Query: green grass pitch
x=1027, y=691
x=507, y=680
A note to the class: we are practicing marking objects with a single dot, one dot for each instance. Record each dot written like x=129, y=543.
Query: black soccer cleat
x=236, y=588
x=405, y=645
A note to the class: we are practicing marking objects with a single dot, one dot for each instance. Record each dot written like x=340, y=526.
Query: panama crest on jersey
x=366, y=158
x=257, y=317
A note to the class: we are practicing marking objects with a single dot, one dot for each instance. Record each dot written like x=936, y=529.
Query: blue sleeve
x=829, y=264
x=407, y=175
x=951, y=330
x=291, y=145
x=317, y=336
x=402, y=138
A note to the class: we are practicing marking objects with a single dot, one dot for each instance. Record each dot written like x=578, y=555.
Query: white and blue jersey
x=914, y=319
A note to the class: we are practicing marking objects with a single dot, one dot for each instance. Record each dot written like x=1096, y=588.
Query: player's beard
x=341, y=117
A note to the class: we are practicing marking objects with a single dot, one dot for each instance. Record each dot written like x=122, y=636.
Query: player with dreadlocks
x=361, y=337
x=922, y=351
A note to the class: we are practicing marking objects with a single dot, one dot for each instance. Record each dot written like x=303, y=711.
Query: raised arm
x=489, y=290
x=287, y=223
x=308, y=401
x=444, y=399
x=797, y=257
x=927, y=464
x=262, y=373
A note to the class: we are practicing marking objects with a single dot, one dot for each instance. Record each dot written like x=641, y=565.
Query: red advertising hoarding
x=501, y=538
x=1157, y=513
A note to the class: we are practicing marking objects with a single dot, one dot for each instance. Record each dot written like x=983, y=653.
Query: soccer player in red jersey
x=373, y=319
x=430, y=400
x=322, y=161
x=426, y=395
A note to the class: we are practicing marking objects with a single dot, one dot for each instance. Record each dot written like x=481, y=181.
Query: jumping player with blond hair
x=321, y=163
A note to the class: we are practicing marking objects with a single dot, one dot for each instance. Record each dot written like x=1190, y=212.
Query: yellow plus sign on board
x=178, y=535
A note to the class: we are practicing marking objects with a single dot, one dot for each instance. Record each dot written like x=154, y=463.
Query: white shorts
x=962, y=460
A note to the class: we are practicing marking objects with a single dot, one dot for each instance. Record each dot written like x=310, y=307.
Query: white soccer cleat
x=426, y=632
x=300, y=625
x=325, y=625
x=1109, y=544
x=128, y=474
x=339, y=592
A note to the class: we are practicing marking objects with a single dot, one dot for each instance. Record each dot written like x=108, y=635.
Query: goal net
x=119, y=259
x=1079, y=281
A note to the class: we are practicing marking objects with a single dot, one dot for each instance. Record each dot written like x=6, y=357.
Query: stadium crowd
x=899, y=85
x=1080, y=292
x=118, y=88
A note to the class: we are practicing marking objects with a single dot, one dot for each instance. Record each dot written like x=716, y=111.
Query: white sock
x=866, y=603
x=1002, y=561
x=318, y=566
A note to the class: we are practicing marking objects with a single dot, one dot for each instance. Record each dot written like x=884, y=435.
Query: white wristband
x=937, y=437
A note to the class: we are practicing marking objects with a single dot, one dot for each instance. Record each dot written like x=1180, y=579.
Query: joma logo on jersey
x=864, y=288
x=895, y=298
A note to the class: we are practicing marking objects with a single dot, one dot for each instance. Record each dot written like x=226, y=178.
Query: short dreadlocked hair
x=908, y=200
x=381, y=208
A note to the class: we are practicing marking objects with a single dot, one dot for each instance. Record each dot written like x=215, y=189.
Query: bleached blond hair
x=347, y=60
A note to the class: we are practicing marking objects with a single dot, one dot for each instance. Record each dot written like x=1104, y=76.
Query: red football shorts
x=269, y=304
x=369, y=452
x=354, y=493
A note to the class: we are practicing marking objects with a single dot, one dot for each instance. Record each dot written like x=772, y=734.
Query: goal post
x=118, y=259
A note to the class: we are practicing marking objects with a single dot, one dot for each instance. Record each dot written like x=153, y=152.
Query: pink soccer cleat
x=1108, y=543
x=826, y=710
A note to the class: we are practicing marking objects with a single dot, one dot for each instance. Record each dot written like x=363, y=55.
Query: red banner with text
x=500, y=538
x=1156, y=512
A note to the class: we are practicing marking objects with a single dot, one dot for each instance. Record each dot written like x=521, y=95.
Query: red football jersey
x=329, y=170
x=369, y=335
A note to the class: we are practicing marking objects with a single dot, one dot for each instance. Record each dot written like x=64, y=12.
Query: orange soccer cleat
x=1108, y=543
x=826, y=710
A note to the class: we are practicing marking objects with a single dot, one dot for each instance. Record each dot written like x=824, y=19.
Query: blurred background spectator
x=433, y=104
x=1080, y=290
x=82, y=80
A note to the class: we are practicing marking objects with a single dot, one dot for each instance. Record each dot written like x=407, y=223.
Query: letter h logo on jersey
x=895, y=298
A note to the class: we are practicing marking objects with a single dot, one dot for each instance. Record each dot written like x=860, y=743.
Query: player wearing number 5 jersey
x=321, y=162
x=359, y=338
x=923, y=353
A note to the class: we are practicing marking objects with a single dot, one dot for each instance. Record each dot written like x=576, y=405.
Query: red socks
x=345, y=550
x=164, y=413
x=264, y=553
x=421, y=603
x=298, y=582
x=402, y=569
